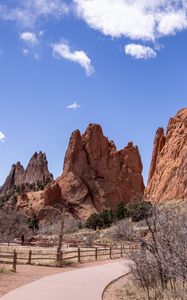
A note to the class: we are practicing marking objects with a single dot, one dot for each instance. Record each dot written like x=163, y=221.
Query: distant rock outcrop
x=36, y=171
x=168, y=171
x=96, y=176
x=14, y=178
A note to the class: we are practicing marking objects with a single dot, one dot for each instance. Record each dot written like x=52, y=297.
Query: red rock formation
x=168, y=171
x=157, y=148
x=15, y=177
x=96, y=176
x=37, y=170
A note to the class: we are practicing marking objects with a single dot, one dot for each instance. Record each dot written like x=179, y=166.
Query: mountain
x=36, y=172
x=95, y=176
x=168, y=170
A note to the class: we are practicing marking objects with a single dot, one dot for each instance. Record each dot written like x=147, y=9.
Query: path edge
x=113, y=281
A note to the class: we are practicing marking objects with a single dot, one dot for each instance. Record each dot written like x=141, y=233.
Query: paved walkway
x=81, y=284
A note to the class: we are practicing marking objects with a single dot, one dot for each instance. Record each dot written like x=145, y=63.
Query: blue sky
x=129, y=75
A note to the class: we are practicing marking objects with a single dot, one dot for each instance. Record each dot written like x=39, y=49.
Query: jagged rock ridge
x=37, y=170
x=96, y=176
x=168, y=171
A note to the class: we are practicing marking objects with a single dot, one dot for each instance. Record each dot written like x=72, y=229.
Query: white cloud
x=27, y=13
x=2, y=137
x=73, y=106
x=139, y=51
x=173, y=22
x=29, y=37
x=62, y=50
x=135, y=19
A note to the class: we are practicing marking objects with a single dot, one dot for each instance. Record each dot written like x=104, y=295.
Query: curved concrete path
x=81, y=284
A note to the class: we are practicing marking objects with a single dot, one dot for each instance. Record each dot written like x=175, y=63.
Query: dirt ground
x=26, y=273
x=115, y=291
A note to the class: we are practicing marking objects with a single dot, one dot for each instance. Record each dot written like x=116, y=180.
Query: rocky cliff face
x=15, y=177
x=168, y=171
x=96, y=176
x=37, y=170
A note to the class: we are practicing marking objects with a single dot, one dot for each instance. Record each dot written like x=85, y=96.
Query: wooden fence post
x=121, y=251
x=14, y=260
x=79, y=254
x=61, y=258
x=30, y=257
x=96, y=253
x=110, y=252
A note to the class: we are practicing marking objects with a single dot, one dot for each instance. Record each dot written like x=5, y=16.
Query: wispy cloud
x=28, y=13
x=29, y=37
x=139, y=51
x=73, y=106
x=2, y=137
x=62, y=50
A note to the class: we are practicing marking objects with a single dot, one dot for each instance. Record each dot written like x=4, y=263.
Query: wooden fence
x=9, y=258
x=77, y=255
x=46, y=243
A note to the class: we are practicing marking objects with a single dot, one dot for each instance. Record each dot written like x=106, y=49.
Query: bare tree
x=160, y=264
x=123, y=230
x=61, y=232
x=12, y=225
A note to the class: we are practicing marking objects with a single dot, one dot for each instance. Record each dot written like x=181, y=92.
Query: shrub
x=140, y=210
x=160, y=265
x=121, y=212
x=33, y=223
x=94, y=221
x=107, y=218
x=124, y=230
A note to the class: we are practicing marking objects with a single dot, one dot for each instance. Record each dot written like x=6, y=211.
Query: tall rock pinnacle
x=168, y=171
x=96, y=176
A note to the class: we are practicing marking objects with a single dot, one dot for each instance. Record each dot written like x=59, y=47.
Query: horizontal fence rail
x=77, y=255
x=9, y=258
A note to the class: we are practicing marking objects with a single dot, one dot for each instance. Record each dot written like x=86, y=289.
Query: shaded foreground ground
x=81, y=283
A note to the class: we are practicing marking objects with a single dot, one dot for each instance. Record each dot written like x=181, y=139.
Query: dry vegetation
x=159, y=267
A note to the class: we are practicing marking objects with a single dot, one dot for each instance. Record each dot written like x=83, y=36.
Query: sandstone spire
x=168, y=172
x=96, y=176
x=37, y=170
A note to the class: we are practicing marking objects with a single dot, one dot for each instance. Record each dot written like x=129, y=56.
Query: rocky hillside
x=95, y=176
x=168, y=170
x=36, y=173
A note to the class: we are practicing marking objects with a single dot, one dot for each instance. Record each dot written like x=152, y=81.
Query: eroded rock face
x=168, y=171
x=15, y=177
x=96, y=176
x=37, y=170
x=157, y=148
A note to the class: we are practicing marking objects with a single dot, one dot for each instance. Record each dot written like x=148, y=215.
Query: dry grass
x=124, y=289
x=4, y=269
